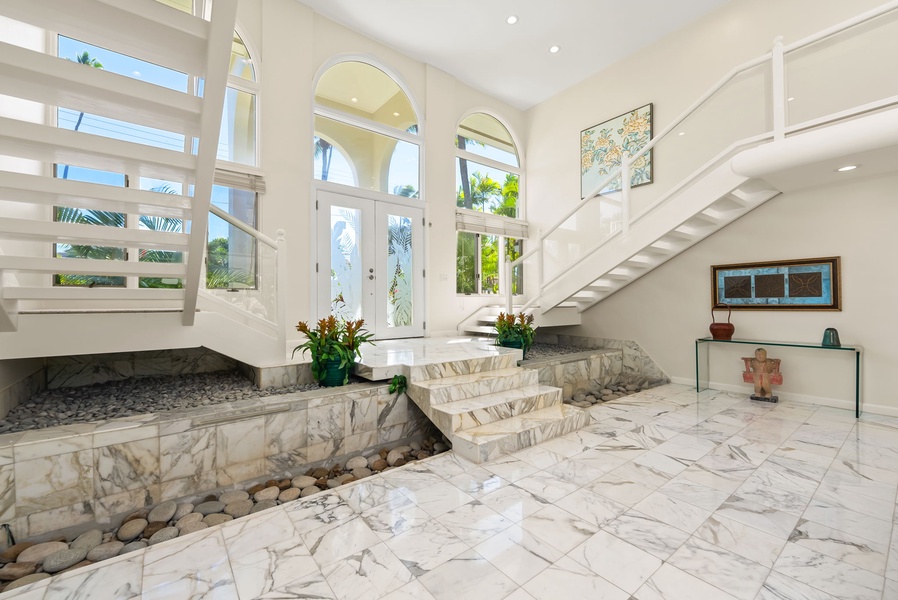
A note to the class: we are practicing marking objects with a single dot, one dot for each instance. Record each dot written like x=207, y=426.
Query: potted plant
x=514, y=332
x=334, y=345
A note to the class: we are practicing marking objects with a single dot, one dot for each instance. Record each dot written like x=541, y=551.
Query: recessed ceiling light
x=512, y=20
x=682, y=133
x=554, y=49
x=790, y=99
x=847, y=168
x=395, y=114
x=353, y=100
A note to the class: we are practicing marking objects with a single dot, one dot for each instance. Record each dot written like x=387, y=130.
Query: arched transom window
x=366, y=131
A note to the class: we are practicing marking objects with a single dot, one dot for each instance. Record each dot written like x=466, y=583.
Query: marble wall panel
x=239, y=442
x=326, y=450
x=189, y=486
x=287, y=462
x=54, y=481
x=392, y=409
x=62, y=517
x=361, y=416
x=326, y=423
x=354, y=444
x=55, y=478
x=107, y=507
x=187, y=454
x=88, y=372
x=7, y=492
x=286, y=432
x=122, y=467
x=237, y=472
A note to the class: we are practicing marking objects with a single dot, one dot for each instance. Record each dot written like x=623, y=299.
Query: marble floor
x=666, y=495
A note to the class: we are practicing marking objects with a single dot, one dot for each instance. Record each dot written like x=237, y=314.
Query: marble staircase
x=489, y=406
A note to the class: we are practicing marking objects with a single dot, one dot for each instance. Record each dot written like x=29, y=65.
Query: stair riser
x=480, y=453
x=463, y=367
x=482, y=416
x=463, y=391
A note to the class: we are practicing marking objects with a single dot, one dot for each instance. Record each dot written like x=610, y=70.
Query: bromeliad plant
x=333, y=339
x=515, y=329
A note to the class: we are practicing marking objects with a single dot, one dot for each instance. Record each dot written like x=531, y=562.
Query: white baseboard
x=877, y=409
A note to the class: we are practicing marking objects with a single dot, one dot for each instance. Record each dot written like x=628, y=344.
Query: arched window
x=364, y=112
x=232, y=260
x=488, y=181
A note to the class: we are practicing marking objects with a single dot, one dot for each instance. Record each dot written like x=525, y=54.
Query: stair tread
x=453, y=380
x=484, y=434
x=487, y=400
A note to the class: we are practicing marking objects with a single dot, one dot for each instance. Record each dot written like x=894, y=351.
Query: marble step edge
x=504, y=358
x=474, y=412
x=471, y=385
x=487, y=442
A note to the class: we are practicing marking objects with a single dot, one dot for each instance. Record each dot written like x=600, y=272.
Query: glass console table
x=702, y=363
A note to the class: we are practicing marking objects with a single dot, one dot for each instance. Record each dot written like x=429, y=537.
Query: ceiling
x=471, y=40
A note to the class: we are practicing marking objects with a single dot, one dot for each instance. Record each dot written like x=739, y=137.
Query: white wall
x=671, y=74
x=667, y=309
x=292, y=44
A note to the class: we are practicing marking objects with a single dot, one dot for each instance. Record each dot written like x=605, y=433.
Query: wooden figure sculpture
x=765, y=373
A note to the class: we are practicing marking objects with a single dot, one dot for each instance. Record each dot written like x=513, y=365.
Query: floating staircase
x=38, y=318
x=489, y=407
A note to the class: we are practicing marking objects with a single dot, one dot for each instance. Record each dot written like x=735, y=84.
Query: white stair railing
x=729, y=117
x=264, y=302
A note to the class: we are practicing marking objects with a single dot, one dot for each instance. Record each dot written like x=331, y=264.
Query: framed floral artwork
x=802, y=284
x=602, y=146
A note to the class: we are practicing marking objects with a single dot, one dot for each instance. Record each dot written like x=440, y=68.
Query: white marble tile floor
x=712, y=498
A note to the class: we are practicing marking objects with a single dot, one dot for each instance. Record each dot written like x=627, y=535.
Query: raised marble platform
x=61, y=477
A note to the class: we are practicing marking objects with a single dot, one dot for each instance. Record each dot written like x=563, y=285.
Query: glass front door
x=370, y=264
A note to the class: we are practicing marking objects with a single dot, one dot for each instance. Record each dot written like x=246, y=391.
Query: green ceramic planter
x=334, y=375
x=514, y=344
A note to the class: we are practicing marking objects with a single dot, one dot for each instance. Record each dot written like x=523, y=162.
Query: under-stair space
x=482, y=322
x=489, y=406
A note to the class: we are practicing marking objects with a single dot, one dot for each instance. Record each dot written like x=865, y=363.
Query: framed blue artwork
x=803, y=284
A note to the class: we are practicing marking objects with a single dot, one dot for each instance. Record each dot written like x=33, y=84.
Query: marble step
x=505, y=358
x=490, y=441
x=489, y=408
x=432, y=392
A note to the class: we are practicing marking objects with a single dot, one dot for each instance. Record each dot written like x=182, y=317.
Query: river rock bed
x=136, y=396
x=27, y=562
x=539, y=351
x=599, y=393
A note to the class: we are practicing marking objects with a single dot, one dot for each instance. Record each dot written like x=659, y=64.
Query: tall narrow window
x=488, y=180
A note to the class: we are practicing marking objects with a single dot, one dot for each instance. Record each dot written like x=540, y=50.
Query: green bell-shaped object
x=831, y=337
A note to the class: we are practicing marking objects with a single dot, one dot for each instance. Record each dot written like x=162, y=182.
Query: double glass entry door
x=370, y=264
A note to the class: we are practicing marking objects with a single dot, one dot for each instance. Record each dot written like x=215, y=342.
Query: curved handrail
x=774, y=55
